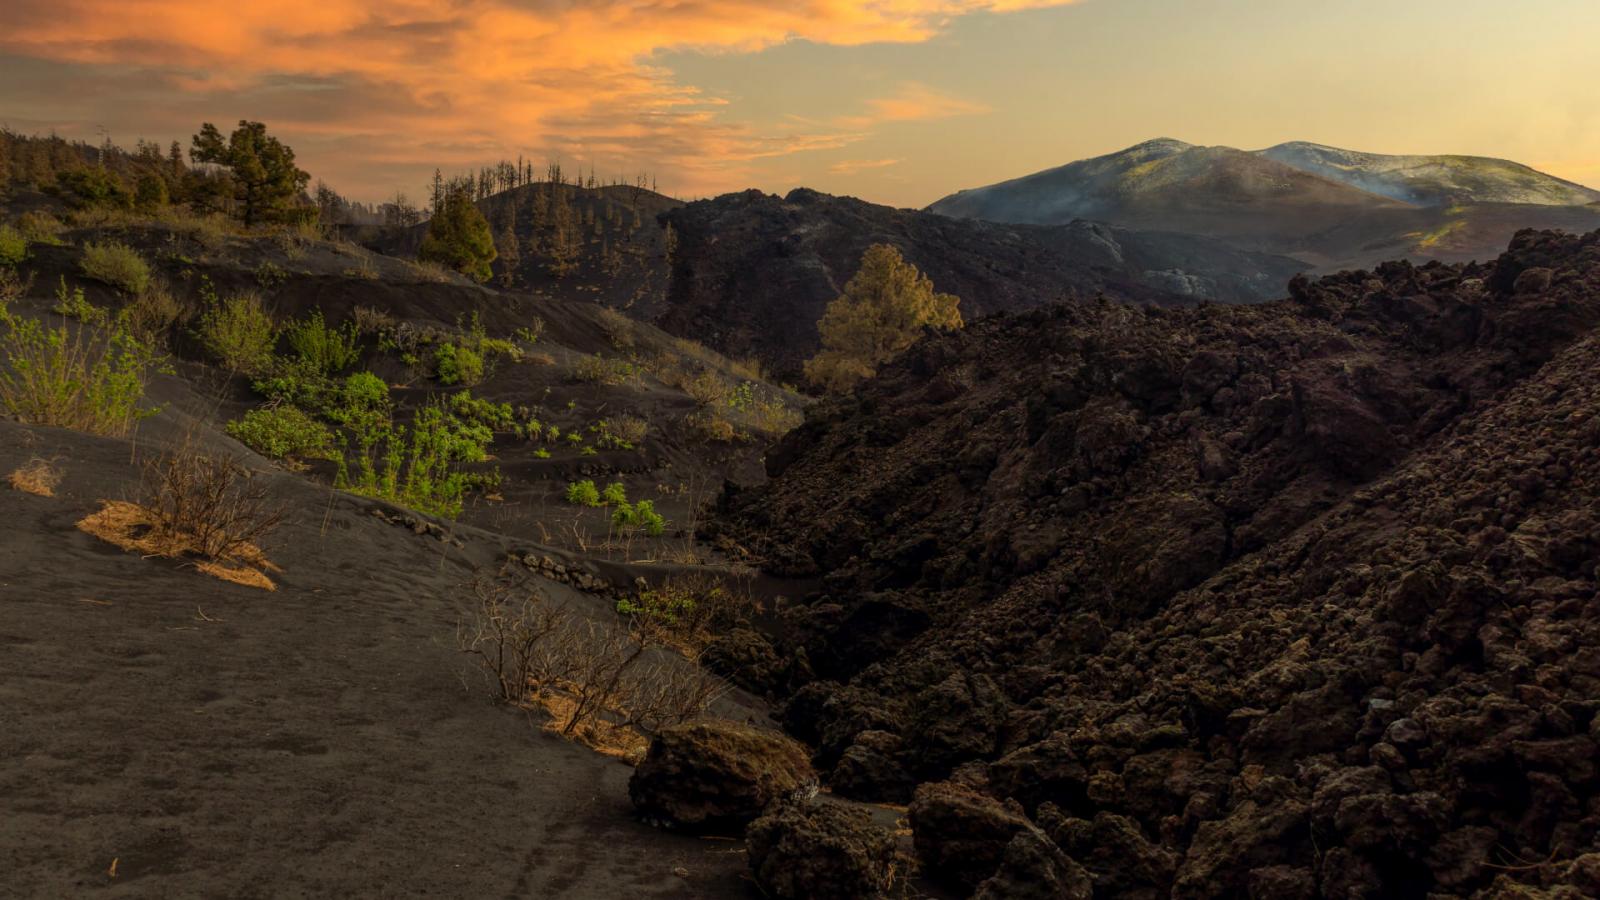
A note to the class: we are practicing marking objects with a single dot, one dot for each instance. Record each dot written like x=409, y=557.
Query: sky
x=893, y=101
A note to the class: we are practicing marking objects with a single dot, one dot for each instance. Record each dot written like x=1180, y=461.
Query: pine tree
x=266, y=180
x=882, y=311
x=459, y=236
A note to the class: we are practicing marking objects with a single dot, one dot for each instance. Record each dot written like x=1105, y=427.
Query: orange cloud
x=412, y=83
x=917, y=102
x=855, y=166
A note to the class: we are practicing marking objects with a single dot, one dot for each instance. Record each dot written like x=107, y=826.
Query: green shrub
x=614, y=495
x=583, y=493
x=494, y=416
x=457, y=365
x=541, y=453
x=40, y=227
x=117, y=265
x=74, y=305
x=152, y=315
x=641, y=516
x=708, y=425
x=419, y=466
x=366, y=390
x=13, y=246
x=328, y=350
x=149, y=193
x=93, y=186
x=599, y=370
x=74, y=376
x=239, y=333
x=283, y=432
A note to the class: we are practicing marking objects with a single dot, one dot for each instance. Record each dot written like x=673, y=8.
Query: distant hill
x=1328, y=207
x=1173, y=186
x=1434, y=180
x=753, y=272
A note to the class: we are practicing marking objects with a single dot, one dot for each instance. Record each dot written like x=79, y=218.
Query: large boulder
x=808, y=848
x=961, y=834
x=717, y=773
x=1034, y=868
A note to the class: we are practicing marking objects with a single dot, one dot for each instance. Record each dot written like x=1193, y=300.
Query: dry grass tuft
x=204, y=509
x=135, y=529
x=36, y=476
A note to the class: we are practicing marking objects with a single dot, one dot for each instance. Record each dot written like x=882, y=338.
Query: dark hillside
x=753, y=272
x=1284, y=600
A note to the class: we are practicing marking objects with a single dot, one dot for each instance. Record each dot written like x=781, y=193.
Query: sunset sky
x=895, y=101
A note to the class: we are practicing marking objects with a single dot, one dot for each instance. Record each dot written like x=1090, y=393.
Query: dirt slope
x=1289, y=600
x=324, y=740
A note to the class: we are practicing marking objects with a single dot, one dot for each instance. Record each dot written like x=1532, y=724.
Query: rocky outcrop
x=717, y=773
x=815, y=848
x=1290, y=600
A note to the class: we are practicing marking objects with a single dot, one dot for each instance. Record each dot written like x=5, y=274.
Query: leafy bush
x=328, y=350
x=152, y=315
x=239, y=333
x=618, y=328
x=419, y=466
x=149, y=193
x=530, y=333
x=598, y=369
x=708, y=389
x=40, y=227
x=494, y=416
x=709, y=425
x=73, y=377
x=583, y=493
x=366, y=390
x=457, y=365
x=614, y=494
x=117, y=265
x=641, y=516
x=13, y=246
x=283, y=432
x=93, y=186
x=74, y=305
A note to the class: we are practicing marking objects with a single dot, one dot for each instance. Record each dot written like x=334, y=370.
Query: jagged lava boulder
x=717, y=773
x=813, y=848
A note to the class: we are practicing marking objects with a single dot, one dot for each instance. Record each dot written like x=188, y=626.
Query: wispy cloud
x=855, y=166
x=457, y=83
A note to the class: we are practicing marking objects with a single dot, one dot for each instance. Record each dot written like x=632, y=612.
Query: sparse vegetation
x=328, y=350
x=36, y=476
x=73, y=375
x=72, y=304
x=118, y=265
x=597, y=369
x=420, y=466
x=211, y=510
x=711, y=426
x=604, y=683
x=283, y=432
x=457, y=364
x=583, y=493
x=239, y=333
x=13, y=246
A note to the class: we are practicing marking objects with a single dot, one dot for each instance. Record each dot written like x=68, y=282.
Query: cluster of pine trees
x=248, y=173
x=557, y=221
